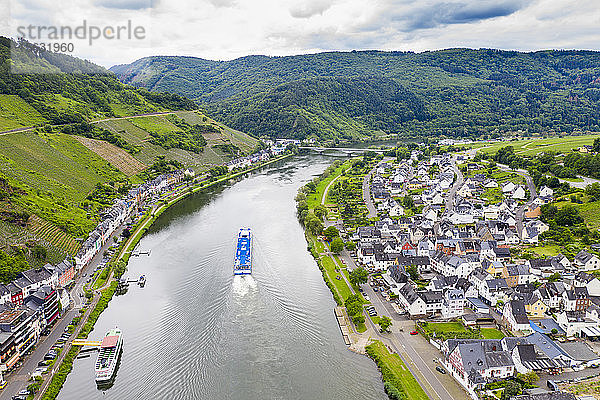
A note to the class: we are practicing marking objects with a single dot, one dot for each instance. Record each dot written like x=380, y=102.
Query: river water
x=196, y=332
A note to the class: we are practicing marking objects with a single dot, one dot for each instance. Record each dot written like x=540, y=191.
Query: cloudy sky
x=226, y=29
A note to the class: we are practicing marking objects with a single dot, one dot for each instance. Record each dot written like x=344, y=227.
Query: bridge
x=346, y=150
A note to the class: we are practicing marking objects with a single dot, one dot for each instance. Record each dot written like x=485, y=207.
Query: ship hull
x=108, y=357
x=243, y=256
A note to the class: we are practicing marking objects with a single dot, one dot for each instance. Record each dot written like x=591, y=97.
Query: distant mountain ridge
x=455, y=92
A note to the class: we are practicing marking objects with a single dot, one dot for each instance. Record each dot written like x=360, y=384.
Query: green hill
x=85, y=138
x=454, y=92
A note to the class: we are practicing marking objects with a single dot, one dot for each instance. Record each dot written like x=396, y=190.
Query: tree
x=350, y=246
x=320, y=211
x=359, y=275
x=331, y=232
x=593, y=190
x=530, y=378
x=408, y=202
x=314, y=225
x=337, y=245
x=384, y=323
x=511, y=389
x=554, y=277
x=413, y=271
x=568, y=216
x=39, y=252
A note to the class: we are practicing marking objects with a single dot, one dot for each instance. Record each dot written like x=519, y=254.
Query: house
x=412, y=303
x=577, y=324
x=493, y=291
x=519, y=193
x=396, y=210
x=586, y=261
x=516, y=275
x=534, y=306
x=453, y=303
x=551, y=294
x=527, y=357
x=419, y=304
x=477, y=362
x=45, y=301
x=490, y=184
x=589, y=281
x=576, y=299
x=509, y=187
x=19, y=332
x=515, y=316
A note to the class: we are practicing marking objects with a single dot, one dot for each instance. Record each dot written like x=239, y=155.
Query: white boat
x=108, y=355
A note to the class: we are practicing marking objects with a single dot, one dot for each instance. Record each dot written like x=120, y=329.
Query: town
x=446, y=246
x=32, y=304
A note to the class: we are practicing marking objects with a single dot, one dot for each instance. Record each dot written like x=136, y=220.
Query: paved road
x=324, y=198
x=19, y=379
x=520, y=215
x=460, y=179
x=28, y=128
x=409, y=347
x=581, y=185
x=366, y=191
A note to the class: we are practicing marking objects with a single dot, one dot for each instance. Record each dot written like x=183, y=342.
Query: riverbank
x=398, y=382
x=103, y=296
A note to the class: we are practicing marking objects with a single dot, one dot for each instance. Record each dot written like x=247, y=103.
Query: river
x=196, y=332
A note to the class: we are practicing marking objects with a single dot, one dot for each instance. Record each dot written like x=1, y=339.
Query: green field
x=157, y=124
x=395, y=373
x=548, y=250
x=245, y=142
x=445, y=327
x=589, y=212
x=132, y=130
x=491, y=333
x=316, y=198
x=532, y=147
x=16, y=113
x=340, y=284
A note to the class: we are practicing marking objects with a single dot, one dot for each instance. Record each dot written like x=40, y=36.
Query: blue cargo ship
x=243, y=254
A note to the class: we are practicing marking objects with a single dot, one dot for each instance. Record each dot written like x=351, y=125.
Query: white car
x=367, y=298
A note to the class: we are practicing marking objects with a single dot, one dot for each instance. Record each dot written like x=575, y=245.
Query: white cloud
x=226, y=29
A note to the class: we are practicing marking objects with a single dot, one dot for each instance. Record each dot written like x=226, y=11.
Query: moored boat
x=108, y=355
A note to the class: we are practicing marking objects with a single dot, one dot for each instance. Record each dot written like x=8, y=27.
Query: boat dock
x=343, y=323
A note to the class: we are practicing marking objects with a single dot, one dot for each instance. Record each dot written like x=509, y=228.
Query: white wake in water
x=243, y=284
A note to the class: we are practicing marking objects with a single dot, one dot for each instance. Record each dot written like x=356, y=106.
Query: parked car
x=414, y=332
x=440, y=370
x=367, y=298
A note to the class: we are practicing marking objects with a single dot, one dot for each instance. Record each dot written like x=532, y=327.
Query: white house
x=586, y=261
x=453, y=303
x=519, y=193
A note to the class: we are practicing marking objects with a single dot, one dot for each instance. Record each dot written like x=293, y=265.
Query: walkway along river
x=196, y=332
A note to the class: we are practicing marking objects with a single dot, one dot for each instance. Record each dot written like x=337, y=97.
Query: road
x=520, y=215
x=366, y=191
x=28, y=128
x=409, y=347
x=460, y=179
x=19, y=379
x=324, y=198
x=581, y=185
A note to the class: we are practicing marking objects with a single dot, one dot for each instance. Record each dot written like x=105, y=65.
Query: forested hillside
x=38, y=87
x=454, y=92
x=83, y=139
